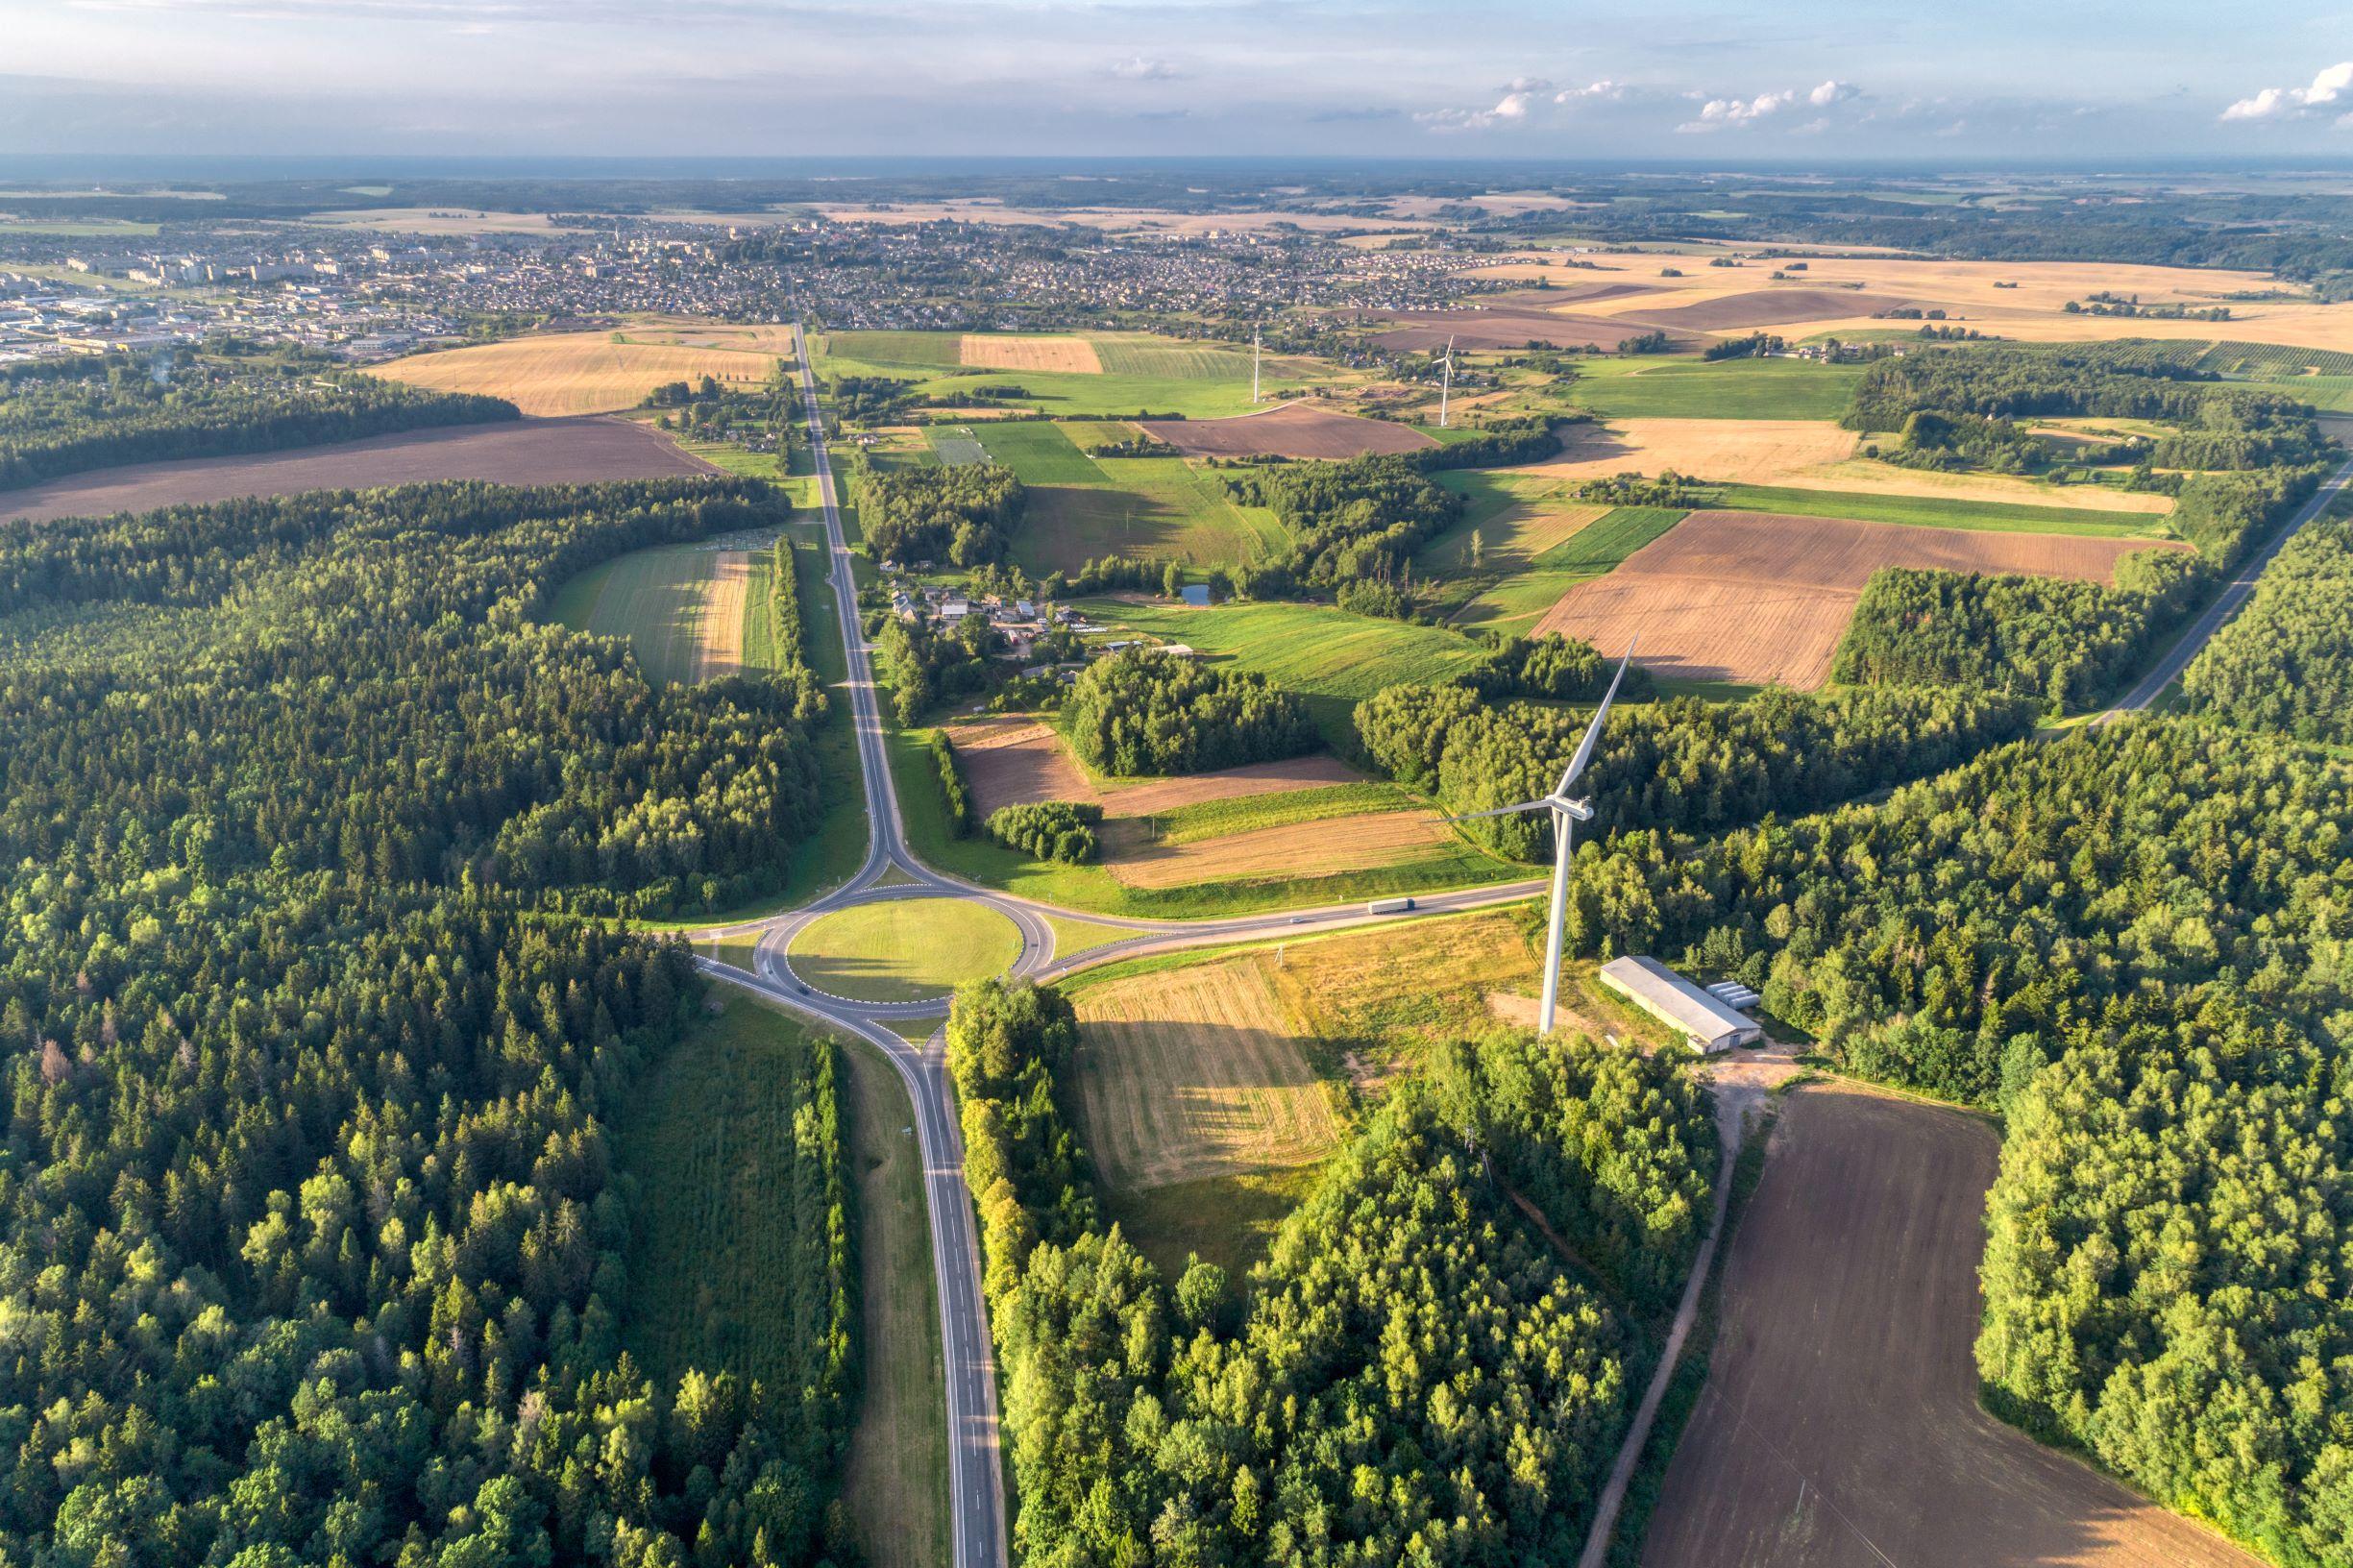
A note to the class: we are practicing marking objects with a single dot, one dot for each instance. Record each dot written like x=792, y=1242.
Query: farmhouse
x=1710, y=1025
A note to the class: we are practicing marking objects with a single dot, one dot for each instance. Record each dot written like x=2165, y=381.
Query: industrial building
x=1708, y=1021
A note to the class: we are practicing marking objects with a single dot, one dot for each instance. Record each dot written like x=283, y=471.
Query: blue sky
x=1800, y=80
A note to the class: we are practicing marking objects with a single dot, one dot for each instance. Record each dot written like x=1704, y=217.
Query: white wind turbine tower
x=1446, y=386
x=1254, y=364
x=1566, y=812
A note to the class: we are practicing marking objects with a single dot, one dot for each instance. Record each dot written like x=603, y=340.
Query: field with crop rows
x=681, y=609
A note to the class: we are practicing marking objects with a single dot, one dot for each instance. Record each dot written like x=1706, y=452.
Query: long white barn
x=1707, y=1024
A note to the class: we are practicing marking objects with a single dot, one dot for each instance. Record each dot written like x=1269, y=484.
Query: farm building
x=1706, y=1021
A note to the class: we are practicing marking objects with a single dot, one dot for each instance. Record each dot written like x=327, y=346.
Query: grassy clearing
x=955, y=445
x=1927, y=511
x=1332, y=659
x=663, y=601
x=928, y=349
x=730, y=1216
x=1193, y=1072
x=895, y=1480
x=904, y=950
x=1227, y=1221
x=1074, y=937
x=1726, y=389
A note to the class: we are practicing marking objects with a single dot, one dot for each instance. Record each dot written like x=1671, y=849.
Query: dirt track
x=1759, y=598
x=1840, y=1426
x=1294, y=430
x=518, y=452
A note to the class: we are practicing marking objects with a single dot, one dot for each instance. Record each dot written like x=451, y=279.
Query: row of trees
x=1682, y=764
x=1411, y=1372
x=100, y=413
x=2286, y=663
x=960, y=513
x=1143, y=711
x=310, y=1239
x=2132, y=942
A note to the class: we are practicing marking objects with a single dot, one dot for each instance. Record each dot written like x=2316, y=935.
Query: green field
x=1226, y=1220
x=1152, y=508
x=1931, y=512
x=1330, y=657
x=1642, y=388
x=1039, y=452
x=895, y=1478
x=731, y=1259
x=904, y=950
x=1603, y=545
x=955, y=444
x=655, y=598
x=1160, y=375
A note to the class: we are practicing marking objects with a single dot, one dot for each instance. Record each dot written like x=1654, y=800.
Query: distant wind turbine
x=1254, y=364
x=1446, y=386
x=1566, y=812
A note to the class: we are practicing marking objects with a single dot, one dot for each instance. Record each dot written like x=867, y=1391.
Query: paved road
x=2225, y=605
x=975, y=1481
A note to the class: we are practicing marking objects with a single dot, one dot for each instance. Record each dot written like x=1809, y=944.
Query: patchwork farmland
x=1292, y=430
x=1757, y=599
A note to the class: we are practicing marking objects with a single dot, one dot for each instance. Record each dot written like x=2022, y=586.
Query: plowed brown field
x=1420, y=331
x=1193, y=1072
x=1009, y=760
x=515, y=451
x=1775, y=307
x=1840, y=1426
x=1295, y=429
x=1317, y=848
x=1759, y=598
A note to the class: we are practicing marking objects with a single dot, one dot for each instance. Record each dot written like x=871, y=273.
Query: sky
x=1802, y=81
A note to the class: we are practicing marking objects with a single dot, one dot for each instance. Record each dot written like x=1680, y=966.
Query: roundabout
x=893, y=951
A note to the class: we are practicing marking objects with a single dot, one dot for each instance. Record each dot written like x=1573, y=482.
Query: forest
x=1682, y=764
x=2062, y=642
x=2285, y=662
x=962, y=514
x=65, y=417
x=310, y=1243
x=2134, y=942
x=1413, y=1374
x=1349, y=522
x=1142, y=712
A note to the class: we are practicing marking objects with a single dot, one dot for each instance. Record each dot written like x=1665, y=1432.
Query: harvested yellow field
x=719, y=634
x=1864, y=478
x=1736, y=451
x=1194, y=1072
x=1419, y=982
x=1526, y=530
x=1068, y=355
x=771, y=339
x=1305, y=850
x=573, y=373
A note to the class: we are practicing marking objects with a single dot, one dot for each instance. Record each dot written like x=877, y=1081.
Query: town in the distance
x=1492, y=853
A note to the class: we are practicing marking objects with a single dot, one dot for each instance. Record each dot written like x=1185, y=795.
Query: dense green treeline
x=2063, y=642
x=100, y=413
x=1553, y=668
x=2286, y=663
x=1411, y=1374
x=962, y=514
x=1682, y=764
x=2137, y=943
x=924, y=662
x=309, y=1238
x=1063, y=830
x=1141, y=711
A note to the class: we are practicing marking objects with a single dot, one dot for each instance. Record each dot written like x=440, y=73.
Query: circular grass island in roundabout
x=903, y=949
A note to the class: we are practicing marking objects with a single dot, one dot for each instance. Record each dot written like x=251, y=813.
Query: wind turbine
x=1446, y=386
x=1254, y=363
x=1566, y=812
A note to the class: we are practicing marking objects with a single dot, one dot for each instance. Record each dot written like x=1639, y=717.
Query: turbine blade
x=1593, y=730
x=1499, y=811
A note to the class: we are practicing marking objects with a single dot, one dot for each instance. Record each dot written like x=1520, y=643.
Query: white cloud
x=1831, y=92
x=1719, y=112
x=2281, y=102
x=1605, y=89
x=1512, y=108
x=1140, y=69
